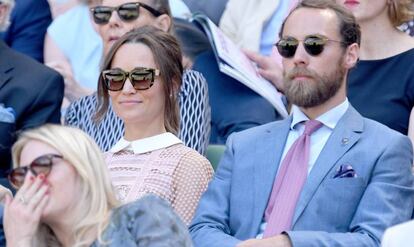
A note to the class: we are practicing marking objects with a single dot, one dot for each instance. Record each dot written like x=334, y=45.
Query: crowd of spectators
x=109, y=110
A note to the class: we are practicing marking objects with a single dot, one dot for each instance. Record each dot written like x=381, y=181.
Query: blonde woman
x=65, y=198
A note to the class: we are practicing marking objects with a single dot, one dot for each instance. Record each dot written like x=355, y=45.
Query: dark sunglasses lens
x=41, y=165
x=101, y=15
x=16, y=177
x=314, y=46
x=114, y=80
x=142, y=79
x=128, y=12
x=287, y=48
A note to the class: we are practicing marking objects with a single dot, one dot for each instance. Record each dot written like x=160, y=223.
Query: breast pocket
x=337, y=200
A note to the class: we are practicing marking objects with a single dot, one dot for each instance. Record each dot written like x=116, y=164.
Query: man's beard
x=314, y=91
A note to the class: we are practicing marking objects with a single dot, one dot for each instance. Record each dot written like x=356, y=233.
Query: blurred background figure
x=28, y=23
x=212, y=8
x=65, y=198
x=30, y=94
x=381, y=86
x=193, y=95
x=141, y=76
x=74, y=48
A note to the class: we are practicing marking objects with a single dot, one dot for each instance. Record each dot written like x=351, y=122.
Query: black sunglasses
x=41, y=165
x=140, y=78
x=314, y=45
x=126, y=12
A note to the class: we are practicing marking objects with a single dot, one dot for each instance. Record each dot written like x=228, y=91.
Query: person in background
x=30, y=95
x=72, y=44
x=381, y=86
x=28, y=23
x=149, y=158
x=65, y=198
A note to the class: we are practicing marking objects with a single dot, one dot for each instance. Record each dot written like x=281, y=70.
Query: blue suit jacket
x=33, y=91
x=330, y=212
x=29, y=21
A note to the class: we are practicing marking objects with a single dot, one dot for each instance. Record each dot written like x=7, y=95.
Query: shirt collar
x=146, y=144
x=329, y=119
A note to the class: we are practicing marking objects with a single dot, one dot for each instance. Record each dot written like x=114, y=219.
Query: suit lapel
x=5, y=66
x=344, y=136
x=266, y=165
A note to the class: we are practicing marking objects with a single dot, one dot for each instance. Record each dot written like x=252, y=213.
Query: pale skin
x=301, y=23
x=142, y=111
x=49, y=199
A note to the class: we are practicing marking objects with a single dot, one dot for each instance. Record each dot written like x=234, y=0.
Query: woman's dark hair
x=348, y=27
x=167, y=56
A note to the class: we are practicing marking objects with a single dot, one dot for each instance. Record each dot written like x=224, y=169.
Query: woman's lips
x=130, y=102
x=351, y=3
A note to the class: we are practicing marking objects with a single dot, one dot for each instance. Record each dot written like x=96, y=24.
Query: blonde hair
x=96, y=199
x=400, y=11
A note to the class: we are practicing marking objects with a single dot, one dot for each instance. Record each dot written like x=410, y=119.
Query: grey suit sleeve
x=156, y=225
x=387, y=200
x=210, y=226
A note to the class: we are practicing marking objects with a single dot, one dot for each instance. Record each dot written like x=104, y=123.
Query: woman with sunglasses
x=141, y=75
x=381, y=86
x=115, y=18
x=65, y=198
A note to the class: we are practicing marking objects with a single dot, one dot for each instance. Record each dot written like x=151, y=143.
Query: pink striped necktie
x=288, y=183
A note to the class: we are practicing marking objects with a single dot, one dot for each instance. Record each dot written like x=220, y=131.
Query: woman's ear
x=163, y=22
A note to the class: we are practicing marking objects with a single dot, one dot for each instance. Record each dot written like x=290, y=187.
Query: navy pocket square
x=345, y=171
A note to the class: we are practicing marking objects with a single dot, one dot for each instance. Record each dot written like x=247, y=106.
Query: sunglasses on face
x=127, y=12
x=314, y=45
x=41, y=165
x=140, y=78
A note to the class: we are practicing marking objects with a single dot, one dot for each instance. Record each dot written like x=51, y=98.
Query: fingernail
x=32, y=178
x=42, y=176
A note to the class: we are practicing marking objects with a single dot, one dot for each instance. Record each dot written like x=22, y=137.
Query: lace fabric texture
x=195, y=116
x=177, y=174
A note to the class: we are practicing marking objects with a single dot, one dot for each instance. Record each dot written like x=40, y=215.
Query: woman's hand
x=22, y=214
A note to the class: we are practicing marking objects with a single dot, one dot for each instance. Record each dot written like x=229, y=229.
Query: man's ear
x=163, y=22
x=351, y=56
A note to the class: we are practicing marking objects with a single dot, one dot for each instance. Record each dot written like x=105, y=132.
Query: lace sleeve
x=191, y=179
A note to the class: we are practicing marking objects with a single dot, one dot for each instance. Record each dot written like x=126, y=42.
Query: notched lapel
x=344, y=136
x=266, y=166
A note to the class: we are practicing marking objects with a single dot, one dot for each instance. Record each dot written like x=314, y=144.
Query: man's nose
x=301, y=57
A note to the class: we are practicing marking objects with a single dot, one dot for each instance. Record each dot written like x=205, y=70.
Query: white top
x=399, y=236
x=318, y=139
x=148, y=144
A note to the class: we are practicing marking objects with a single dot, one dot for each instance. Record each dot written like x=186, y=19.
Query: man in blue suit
x=30, y=95
x=356, y=172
